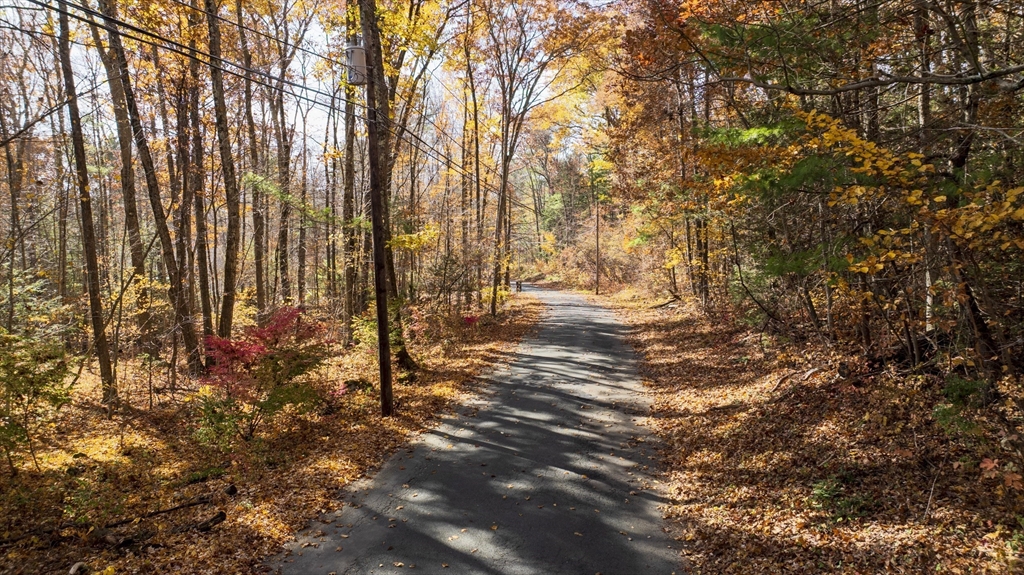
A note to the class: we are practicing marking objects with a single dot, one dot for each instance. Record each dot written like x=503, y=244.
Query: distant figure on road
x=519, y=286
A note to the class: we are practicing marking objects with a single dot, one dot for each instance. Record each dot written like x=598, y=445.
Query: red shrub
x=258, y=370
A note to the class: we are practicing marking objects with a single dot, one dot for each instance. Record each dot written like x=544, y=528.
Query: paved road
x=547, y=473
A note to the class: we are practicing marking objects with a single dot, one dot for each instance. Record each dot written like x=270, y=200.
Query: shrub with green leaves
x=364, y=328
x=33, y=386
x=964, y=392
x=961, y=395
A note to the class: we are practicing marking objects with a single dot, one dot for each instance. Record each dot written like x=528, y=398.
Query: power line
x=187, y=51
x=326, y=59
x=190, y=52
x=443, y=157
x=236, y=24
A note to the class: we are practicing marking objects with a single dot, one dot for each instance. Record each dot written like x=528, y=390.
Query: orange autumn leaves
x=1010, y=477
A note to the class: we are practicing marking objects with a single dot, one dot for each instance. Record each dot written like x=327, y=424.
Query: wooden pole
x=597, y=231
x=374, y=124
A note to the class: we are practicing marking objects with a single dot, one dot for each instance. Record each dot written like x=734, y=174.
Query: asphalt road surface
x=549, y=472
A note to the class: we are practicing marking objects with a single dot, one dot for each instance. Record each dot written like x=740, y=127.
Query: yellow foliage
x=547, y=244
x=416, y=241
x=977, y=217
x=673, y=258
x=627, y=244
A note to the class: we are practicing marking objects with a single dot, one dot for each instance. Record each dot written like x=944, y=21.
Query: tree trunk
x=15, y=175
x=303, y=197
x=109, y=386
x=198, y=193
x=227, y=162
x=62, y=215
x=348, y=211
x=499, y=221
x=129, y=197
x=922, y=32
x=331, y=171
x=183, y=219
x=466, y=208
x=284, y=149
x=176, y=290
x=258, y=216
x=386, y=163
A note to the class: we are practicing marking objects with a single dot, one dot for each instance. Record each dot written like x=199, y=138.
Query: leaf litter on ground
x=777, y=464
x=97, y=470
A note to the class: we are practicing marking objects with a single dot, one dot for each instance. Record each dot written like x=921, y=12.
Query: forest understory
x=779, y=460
x=105, y=484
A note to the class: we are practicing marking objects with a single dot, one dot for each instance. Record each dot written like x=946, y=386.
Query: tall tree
x=348, y=204
x=176, y=290
x=530, y=46
x=258, y=214
x=85, y=203
x=291, y=32
x=197, y=173
x=227, y=162
x=129, y=194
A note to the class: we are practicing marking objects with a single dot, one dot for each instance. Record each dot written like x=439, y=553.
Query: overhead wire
x=188, y=51
x=323, y=57
x=274, y=39
x=180, y=49
x=111, y=24
x=337, y=63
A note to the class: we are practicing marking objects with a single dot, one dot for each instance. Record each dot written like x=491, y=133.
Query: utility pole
x=374, y=123
x=597, y=228
x=597, y=241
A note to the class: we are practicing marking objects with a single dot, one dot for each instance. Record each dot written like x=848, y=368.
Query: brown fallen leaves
x=97, y=470
x=777, y=464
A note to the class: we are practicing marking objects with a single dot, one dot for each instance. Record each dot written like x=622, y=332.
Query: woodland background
x=833, y=186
